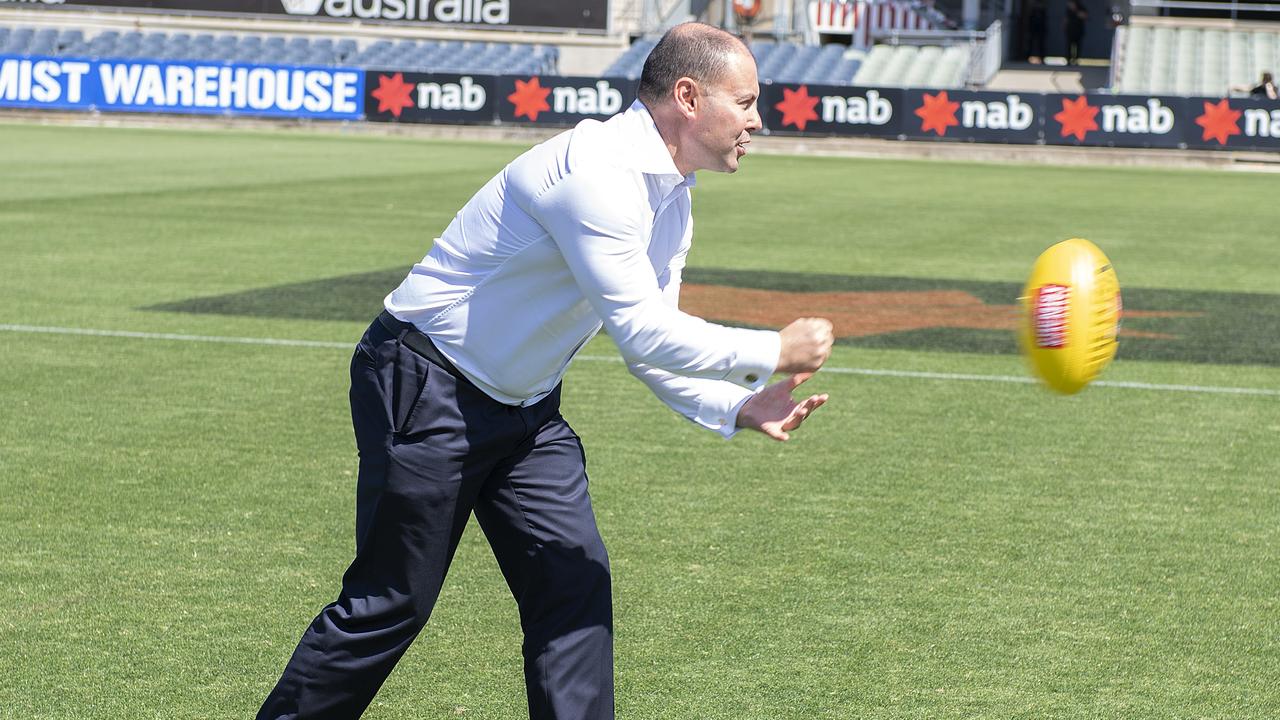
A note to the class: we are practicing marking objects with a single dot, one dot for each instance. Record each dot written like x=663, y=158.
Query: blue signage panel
x=136, y=85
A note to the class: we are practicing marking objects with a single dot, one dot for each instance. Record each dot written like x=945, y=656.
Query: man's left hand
x=774, y=412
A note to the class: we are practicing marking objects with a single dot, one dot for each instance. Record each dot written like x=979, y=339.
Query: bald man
x=455, y=387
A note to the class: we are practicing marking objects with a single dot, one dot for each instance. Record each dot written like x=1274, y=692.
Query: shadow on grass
x=1170, y=325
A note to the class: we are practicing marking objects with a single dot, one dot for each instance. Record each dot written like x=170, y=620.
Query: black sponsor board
x=1231, y=123
x=554, y=100
x=1116, y=120
x=974, y=116
x=413, y=97
x=794, y=108
x=562, y=14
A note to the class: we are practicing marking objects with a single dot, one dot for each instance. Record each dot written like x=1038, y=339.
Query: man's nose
x=754, y=122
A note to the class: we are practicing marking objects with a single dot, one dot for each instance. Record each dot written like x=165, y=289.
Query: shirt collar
x=650, y=154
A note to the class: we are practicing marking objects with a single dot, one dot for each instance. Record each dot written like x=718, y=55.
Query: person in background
x=1037, y=28
x=1074, y=23
x=1264, y=90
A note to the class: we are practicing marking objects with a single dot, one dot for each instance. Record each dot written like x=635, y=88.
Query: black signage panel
x=414, y=97
x=498, y=14
x=976, y=116
x=553, y=100
x=1231, y=123
x=831, y=109
x=1115, y=120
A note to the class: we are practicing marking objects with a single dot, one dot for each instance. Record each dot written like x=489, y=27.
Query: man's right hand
x=806, y=344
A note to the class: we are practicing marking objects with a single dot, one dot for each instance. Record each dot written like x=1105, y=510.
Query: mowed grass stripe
x=878, y=372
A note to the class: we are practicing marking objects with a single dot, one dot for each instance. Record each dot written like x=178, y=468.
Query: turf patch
x=929, y=314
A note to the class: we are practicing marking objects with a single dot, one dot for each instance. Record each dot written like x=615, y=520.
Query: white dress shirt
x=590, y=229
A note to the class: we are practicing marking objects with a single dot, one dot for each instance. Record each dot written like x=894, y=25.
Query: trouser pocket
x=410, y=380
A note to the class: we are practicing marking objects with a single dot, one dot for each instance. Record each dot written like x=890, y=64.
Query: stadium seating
x=421, y=55
x=915, y=66
x=775, y=61
x=1190, y=60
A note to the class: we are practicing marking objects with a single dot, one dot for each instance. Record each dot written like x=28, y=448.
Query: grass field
x=175, y=511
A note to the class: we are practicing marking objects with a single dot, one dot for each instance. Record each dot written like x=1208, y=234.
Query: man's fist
x=806, y=344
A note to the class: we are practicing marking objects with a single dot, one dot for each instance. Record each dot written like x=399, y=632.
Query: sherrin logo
x=1049, y=314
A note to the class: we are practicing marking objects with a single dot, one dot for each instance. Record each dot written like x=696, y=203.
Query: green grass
x=176, y=512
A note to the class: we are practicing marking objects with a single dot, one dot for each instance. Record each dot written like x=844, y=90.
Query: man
x=455, y=388
x=1074, y=22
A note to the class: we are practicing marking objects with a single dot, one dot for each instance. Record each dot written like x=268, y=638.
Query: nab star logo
x=530, y=98
x=797, y=107
x=937, y=113
x=1077, y=117
x=1218, y=121
x=393, y=94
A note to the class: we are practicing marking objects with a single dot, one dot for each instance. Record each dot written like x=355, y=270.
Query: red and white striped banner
x=862, y=19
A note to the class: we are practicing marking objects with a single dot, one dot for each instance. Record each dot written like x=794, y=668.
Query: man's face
x=727, y=115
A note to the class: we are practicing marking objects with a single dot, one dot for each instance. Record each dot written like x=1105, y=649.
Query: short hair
x=692, y=50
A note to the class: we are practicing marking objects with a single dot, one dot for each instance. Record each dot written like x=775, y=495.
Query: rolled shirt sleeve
x=602, y=241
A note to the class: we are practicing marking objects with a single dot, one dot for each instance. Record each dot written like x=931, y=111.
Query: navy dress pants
x=434, y=449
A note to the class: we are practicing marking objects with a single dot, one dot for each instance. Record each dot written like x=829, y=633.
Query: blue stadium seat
x=426, y=55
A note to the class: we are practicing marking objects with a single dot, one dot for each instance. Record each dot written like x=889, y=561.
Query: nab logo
x=530, y=99
x=799, y=108
x=1218, y=121
x=1078, y=118
x=462, y=95
x=394, y=95
x=938, y=112
x=1261, y=123
x=1011, y=114
x=868, y=109
x=599, y=100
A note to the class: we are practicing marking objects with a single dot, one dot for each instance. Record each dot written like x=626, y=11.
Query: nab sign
x=1116, y=120
x=831, y=110
x=428, y=97
x=981, y=116
x=549, y=100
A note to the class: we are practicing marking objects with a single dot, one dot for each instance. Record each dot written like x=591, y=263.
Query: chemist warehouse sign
x=180, y=87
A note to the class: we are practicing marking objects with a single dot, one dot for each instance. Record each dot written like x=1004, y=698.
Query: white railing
x=986, y=56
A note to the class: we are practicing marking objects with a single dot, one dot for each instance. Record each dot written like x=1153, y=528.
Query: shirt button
x=752, y=377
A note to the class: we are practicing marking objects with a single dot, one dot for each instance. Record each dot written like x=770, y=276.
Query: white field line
x=912, y=374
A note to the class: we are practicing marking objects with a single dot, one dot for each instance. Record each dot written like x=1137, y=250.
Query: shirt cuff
x=757, y=358
x=718, y=411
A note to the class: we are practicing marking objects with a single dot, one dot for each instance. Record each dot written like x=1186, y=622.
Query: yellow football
x=1070, y=315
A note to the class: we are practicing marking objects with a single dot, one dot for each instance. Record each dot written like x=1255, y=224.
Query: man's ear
x=688, y=96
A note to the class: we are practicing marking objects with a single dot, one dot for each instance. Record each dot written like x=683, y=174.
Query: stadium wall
x=390, y=96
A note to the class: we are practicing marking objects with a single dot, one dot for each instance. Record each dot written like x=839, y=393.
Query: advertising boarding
x=831, y=110
x=553, y=100
x=180, y=87
x=973, y=116
x=415, y=97
x=1114, y=120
